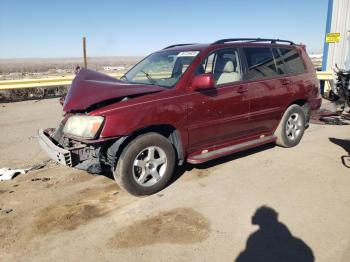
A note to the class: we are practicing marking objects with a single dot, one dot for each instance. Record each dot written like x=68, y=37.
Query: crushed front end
x=77, y=141
x=90, y=155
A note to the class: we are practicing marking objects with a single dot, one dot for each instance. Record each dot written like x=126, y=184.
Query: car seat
x=226, y=72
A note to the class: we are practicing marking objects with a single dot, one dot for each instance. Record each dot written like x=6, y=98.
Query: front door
x=220, y=114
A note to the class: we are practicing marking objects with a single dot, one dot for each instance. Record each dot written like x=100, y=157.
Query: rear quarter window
x=293, y=61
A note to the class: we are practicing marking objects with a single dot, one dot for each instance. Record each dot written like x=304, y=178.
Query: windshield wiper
x=124, y=78
x=150, y=79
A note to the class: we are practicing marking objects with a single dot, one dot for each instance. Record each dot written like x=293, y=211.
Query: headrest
x=228, y=67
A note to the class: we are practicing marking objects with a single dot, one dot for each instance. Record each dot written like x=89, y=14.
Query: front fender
x=124, y=121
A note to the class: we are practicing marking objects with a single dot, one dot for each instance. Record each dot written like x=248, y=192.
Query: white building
x=338, y=21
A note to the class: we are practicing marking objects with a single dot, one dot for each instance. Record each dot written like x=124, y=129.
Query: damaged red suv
x=185, y=103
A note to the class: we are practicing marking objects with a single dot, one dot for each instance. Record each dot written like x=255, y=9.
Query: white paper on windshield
x=188, y=53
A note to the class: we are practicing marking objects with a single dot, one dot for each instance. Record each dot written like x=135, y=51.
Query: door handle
x=242, y=90
x=285, y=82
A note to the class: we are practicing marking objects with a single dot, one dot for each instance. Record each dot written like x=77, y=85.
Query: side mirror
x=202, y=81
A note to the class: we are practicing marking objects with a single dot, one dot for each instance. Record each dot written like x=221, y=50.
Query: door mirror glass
x=202, y=81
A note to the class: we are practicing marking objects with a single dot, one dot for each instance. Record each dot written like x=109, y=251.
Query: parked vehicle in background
x=186, y=103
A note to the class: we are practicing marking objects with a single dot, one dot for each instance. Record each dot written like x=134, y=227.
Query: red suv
x=185, y=103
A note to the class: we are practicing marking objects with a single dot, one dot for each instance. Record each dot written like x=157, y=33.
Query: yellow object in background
x=332, y=38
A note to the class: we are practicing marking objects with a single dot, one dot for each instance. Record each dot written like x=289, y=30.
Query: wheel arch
x=303, y=103
x=166, y=130
x=300, y=102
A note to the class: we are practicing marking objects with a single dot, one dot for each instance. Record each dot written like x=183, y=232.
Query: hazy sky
x=36, y=28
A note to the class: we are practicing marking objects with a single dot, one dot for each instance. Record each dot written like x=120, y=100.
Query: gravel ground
x=222, y=211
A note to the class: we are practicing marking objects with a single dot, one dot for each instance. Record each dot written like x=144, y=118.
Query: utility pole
x=84, y=52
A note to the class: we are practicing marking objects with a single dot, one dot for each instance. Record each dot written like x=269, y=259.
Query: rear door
x=300, y=84
x=268, y=88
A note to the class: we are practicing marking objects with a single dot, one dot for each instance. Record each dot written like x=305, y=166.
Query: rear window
x=260, y=63
x=292, y=60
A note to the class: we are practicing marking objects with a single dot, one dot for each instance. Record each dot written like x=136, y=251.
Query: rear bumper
x=56, y=153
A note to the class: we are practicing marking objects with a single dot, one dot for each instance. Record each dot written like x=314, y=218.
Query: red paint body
x=206, y=119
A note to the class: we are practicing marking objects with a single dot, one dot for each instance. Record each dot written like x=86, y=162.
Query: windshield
x=162, y=69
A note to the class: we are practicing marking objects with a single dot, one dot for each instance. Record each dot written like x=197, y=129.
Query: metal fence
x=43, y=82
x=66, y=80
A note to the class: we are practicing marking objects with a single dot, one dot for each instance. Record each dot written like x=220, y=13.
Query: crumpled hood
x=90, y=87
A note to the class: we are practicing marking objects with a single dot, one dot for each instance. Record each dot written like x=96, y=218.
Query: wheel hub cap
x=293, y=126
x=149, y=166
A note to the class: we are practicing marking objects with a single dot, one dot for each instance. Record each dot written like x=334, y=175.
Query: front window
x=162, y=69
x=224, y=65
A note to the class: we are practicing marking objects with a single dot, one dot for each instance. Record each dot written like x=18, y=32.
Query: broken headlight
x=83, y=126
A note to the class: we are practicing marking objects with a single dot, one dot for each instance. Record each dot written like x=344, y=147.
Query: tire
x=291, y=128
x=145, y=165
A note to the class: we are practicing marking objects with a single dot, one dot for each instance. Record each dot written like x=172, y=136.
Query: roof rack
x=273, y=41
x=171, y=46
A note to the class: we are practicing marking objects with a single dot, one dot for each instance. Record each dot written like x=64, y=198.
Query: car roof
x=187, y=47
x=219, y=44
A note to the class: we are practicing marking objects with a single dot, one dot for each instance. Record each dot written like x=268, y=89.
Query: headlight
x=84, y=126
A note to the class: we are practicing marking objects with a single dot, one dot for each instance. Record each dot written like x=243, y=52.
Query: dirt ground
x=222, y=211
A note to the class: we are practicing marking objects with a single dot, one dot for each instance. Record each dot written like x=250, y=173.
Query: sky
x=40, y=29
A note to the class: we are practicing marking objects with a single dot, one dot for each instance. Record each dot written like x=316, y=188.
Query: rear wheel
x=145, y=165
x=291, y=128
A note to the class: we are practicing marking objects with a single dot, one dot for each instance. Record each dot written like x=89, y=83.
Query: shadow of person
x=345, y=144
x=273, y=242
x=346, y=161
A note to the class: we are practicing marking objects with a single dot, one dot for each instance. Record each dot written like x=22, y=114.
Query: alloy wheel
x=149, y=166
x=294, y=126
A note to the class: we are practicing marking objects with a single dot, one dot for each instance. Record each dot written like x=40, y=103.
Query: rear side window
x=281, y=67
x=260, y=63
x=292, y=60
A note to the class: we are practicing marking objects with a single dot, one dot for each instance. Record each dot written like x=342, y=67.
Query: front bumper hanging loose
x=95, y=157
x=56, y=153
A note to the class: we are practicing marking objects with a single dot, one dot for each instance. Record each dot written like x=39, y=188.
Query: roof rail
x=273, y=41
x=171, y=46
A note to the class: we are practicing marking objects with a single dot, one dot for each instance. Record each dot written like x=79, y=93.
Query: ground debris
x=327, y=117
x=39, y=166
x=9, y=173
x=8, y=210
x=44, y=179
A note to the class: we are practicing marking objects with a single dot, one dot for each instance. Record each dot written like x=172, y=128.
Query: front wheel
x=291, y=128
x=145, y=165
